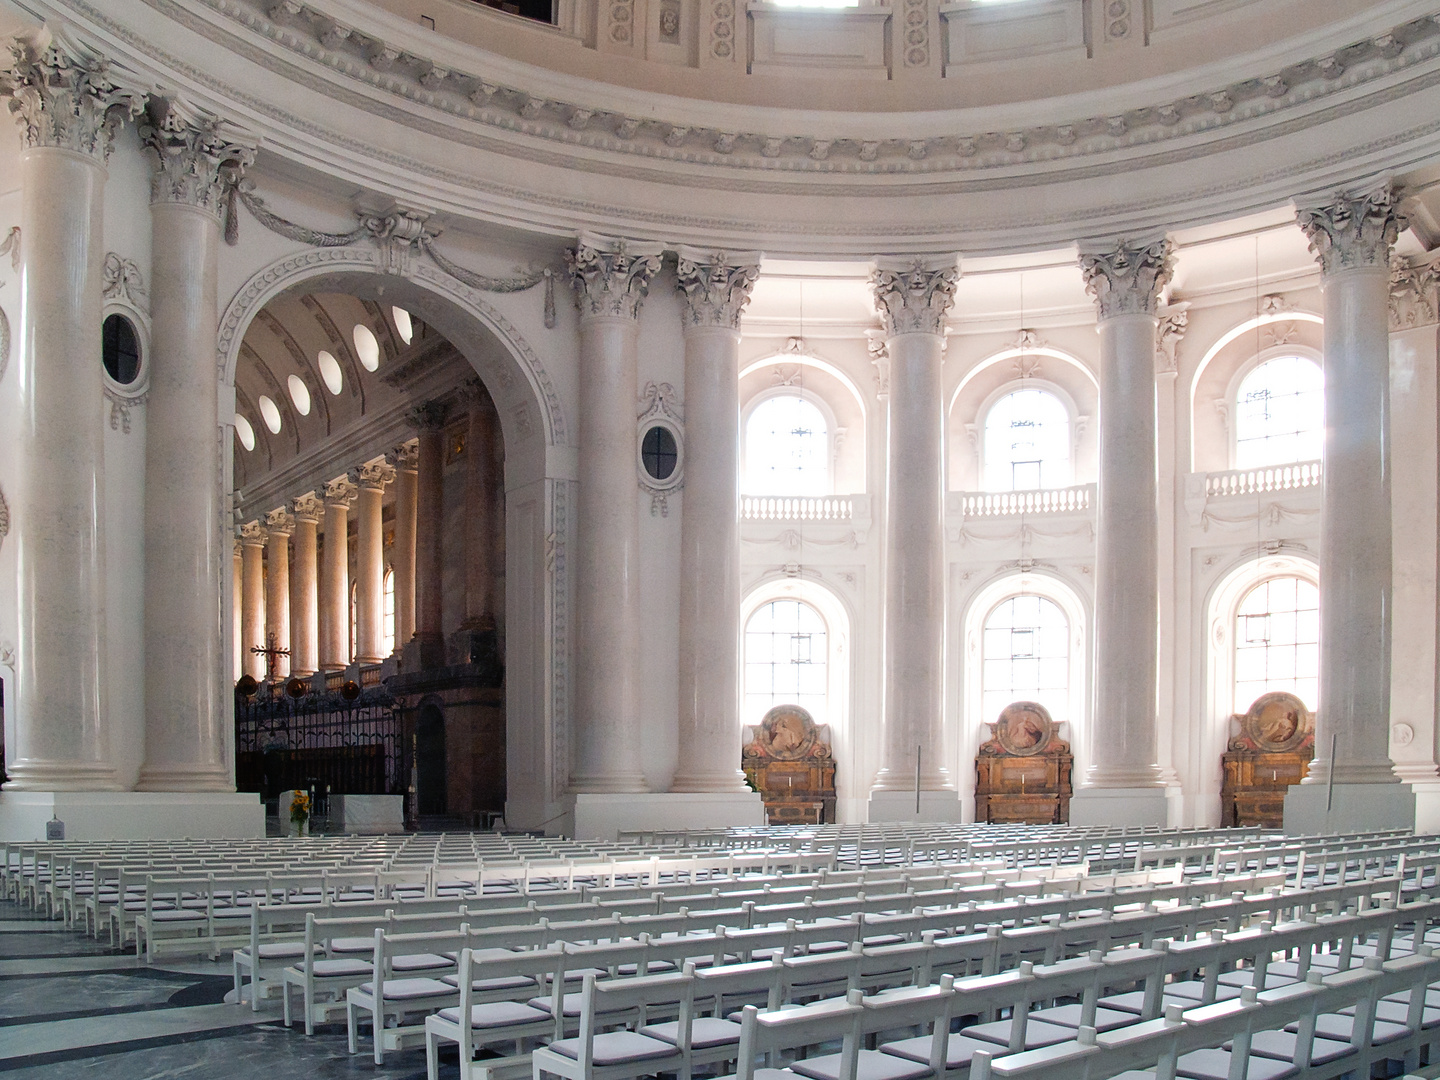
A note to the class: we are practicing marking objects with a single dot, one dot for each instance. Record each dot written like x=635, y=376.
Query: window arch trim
x=1241, y=373
x=1000, y=357
x=832, y=426
x=1072, y=412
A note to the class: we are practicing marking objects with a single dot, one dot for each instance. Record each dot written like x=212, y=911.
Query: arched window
x=1277, y=641
x=1279, y=413
x=1027, y=442
x=787, y=448
x=387, y=622
x=785, y=660
x=1026, y=656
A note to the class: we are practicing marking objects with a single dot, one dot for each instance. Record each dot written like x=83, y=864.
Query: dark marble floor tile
x=68, y=994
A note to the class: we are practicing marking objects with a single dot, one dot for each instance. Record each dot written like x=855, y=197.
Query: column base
x=423, y=653
x=900, y=806
x=602, y=817
x=32, y=775
x=731, y=783
x=211, y=778
x=1354, y=807
x=1142, y=806
x=132, y=815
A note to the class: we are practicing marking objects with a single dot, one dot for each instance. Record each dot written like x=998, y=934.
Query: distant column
x=309, y=509
x=237, y=593
x=428, y=645
x=716, y=289
x=252, y=598
x=610, y=280
x=335, y=576
x=370, y=562
x=280, y=525
x=482, y=491
x=406, y=458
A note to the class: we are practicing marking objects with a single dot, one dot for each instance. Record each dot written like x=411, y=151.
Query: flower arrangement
x=300, y=808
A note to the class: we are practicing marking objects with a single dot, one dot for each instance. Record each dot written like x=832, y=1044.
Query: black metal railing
x=320, y=742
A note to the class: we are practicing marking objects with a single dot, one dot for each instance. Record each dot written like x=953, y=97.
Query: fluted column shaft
x=913, y=301
x=716, y=290
x=280, y=526
x=1126, y=282
x=66, y=105
x=185, y=718
x=610, y=281
x=309, y=509
x=252, y=598
x=1353, y=238
x=370, y=563
x=335, y=576
x=429, y=647
x=403, y=554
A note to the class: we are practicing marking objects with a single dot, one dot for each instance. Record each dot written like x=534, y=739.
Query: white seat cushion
x=513, y=982
x=334, y=969
x=1069, y=1016
x=409, y=989
x=1037, y=1033
x=1341, y=1028
x=352, y=945
x=284, y=950
x=420, y=962
x=498, y=1014
x=1282, y=1045
x=1397, y=1012
x=1215, y=1065
x=705, y=1032
x=617, y=1047
x=1195, y=991
x=959, y=1050
x=870, y=1065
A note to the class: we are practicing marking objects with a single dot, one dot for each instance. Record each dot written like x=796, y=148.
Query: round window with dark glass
x=659, y=452
x=121, y=349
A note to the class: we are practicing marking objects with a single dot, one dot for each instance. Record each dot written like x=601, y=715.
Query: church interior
x=844, y=539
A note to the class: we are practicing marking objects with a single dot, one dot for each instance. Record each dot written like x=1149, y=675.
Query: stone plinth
x=603, y=816
x=133, y=815
x=367, y=814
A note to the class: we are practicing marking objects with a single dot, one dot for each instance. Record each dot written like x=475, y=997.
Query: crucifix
x=272, y=652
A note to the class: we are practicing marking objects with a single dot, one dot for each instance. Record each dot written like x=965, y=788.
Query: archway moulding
x=809, y=358
x=1014, y=353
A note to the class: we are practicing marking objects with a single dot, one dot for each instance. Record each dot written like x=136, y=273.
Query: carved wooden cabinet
x=788, y=761
x=1023, y=772
x=1272, y=749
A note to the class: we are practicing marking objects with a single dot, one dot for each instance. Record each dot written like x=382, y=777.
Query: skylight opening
x=244, y=432
x=299, y=394
x=270, y=413
x=330, y=372
x=367, y=347
x=403, y=324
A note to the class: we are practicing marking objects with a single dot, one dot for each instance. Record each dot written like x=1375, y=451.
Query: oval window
x=270, y=413
x=403, y=323
x=659, y=452
x=367, y=346
x=120, y=349
x=330, y=372
x=244, y=432
x=300, y=395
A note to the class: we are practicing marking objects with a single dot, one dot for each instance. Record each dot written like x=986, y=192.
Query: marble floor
x=70, y=1008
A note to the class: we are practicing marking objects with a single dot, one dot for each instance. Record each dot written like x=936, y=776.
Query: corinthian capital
x=309, y=508
x=429, y=417
x=914, y=297
x=62, y=95
x=1351, y=231
x=279, y=523
x=716, y=286
x=374, y=475
x=611, y=277
x=340, y=492
x=253, y=534
x=195, y=156
x=1128, y=278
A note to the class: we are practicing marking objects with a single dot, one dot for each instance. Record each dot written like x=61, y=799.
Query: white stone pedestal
x=1354, y=807
x=602, y=816
x=370, y=815
x=900, y=806
x=1152, y=806
x=132, y=815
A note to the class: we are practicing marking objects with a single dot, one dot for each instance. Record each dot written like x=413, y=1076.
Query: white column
x=252, y=598
x=610, y=280
x=237, y=610
x=406, y=458
x=68, y=110
x=370, y=561
x=1352, y=235
x=913, y=300
x=1124, y=784
x=186, y=726
x=716, y=289
x=335, y=576
x=427, y=648
x=280, y=525
x=309, y=509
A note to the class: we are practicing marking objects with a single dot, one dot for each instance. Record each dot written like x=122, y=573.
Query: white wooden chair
x=624, y=1053
x=493, y=990
x=404, y=980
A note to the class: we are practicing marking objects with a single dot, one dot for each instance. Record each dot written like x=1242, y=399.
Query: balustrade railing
x=835, y=508
x=1067, y=500
x=1303, y=474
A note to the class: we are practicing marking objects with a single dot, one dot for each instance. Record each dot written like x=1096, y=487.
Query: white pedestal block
x=602, y=816
x=1153, y=806
x=1353, y=807
x=133, y=815
x=1427, y=805
x=368, y=814
x=900, y=806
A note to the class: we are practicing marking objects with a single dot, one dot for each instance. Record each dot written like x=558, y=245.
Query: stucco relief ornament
x=611, y=282
x=716, y=286
x=120, y=279
x=1353, y=231
x=197, y=158
x=4, y=343
x=1414, y=293
x=915, y=299
x=1171, y=331
x=62, y=95
x=4, y=519
x=1128, y=279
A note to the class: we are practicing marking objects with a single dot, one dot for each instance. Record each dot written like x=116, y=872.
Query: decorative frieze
x=916, y=298
x=1352, y=231
x=309, y=508
x=1414, y=293
x=62, y=95
x=611, y=278
x=1129, y=278
x=195, y=157
x=716, y=286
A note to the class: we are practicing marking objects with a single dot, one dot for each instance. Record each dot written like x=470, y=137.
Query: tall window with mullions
x=1026, y=656
x=786, y=660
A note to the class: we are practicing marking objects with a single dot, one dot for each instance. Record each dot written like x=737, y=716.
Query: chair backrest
x=808, y=1025
x=601, y=1002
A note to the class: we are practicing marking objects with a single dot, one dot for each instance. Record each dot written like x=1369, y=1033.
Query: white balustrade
x=1068, y=500
x=832, y=508
x=1302, y=474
